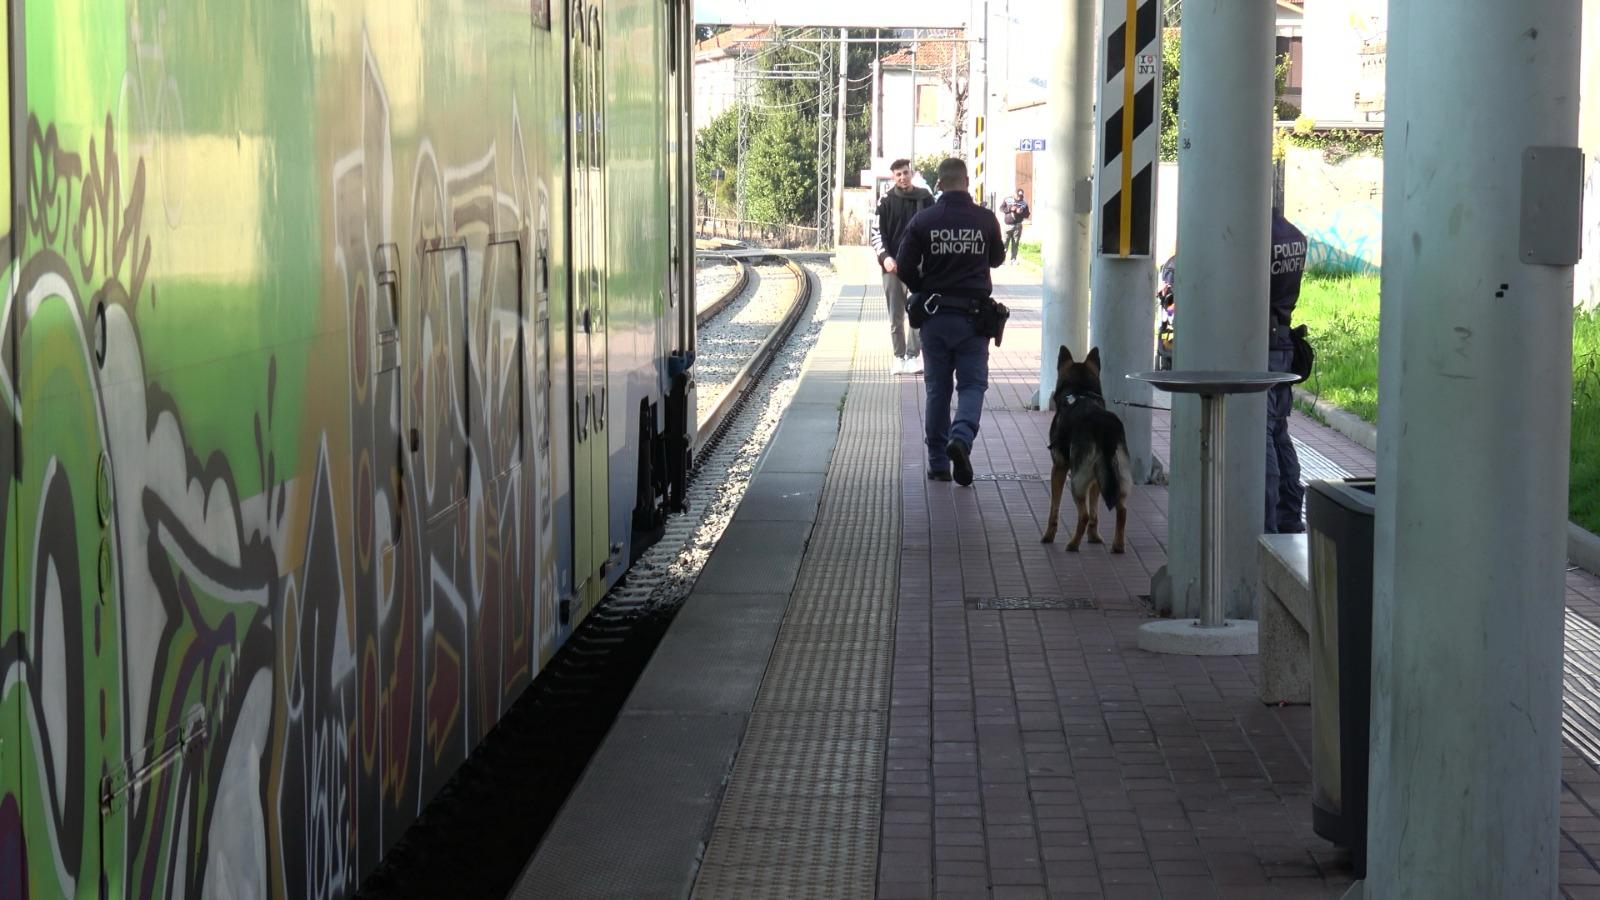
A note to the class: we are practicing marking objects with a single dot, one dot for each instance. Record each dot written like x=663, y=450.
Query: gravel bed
x=713, y=275
x=728, y=341
x=666, y=572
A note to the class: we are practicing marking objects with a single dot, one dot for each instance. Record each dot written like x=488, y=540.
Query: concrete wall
x=1339, y=206
x=858, y=209
x=1166, y=211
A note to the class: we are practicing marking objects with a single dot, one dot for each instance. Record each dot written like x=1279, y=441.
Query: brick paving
x=1038, y=753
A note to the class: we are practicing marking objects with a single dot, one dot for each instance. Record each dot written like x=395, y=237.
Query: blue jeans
x=952, y=351
x=1285, y=495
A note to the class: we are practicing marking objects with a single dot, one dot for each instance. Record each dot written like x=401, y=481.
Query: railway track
x=739, y=280
x=731, y=393
x=475, y=837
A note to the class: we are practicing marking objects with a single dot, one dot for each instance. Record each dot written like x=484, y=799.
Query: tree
x=716, y=152
x=781, y=173
x=1171, y=56
x=1171, y=49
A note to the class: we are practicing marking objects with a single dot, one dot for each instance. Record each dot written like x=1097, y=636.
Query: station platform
x=886, y=686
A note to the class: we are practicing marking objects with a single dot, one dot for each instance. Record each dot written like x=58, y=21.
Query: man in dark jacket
x=1285, y=495
x=895, y=211
x=1016, y=211
x=945, y=258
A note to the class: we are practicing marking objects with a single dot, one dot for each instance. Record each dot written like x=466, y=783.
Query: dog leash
x=1141, y=405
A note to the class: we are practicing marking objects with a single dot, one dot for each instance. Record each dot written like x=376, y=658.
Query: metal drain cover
x=1007, y=476
x=1032, y=603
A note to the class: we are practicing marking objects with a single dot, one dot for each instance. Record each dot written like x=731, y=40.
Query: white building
x=921, y=101
x=716, y=61
x=1345, y=44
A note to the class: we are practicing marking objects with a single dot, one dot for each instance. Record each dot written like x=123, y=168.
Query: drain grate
x=1007, y=476
x=1032, y=603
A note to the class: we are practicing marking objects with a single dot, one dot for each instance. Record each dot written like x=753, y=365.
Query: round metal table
x=1208, y=634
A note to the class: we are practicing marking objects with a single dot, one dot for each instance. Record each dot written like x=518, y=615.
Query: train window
x=503, y=377
x=540, y=10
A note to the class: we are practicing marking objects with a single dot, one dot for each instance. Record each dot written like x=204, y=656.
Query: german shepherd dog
x=1087, y=440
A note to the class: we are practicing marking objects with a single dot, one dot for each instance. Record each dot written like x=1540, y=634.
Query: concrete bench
x=1284, y=568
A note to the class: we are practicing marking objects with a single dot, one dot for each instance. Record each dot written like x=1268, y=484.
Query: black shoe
x=957, y=452
x=938, y=475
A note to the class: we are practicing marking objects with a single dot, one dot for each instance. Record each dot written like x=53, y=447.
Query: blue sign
x=1030, y=144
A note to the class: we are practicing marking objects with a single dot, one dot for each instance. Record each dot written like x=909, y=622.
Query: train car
x=346, y=363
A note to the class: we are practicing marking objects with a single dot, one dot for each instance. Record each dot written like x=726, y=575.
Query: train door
x=435, y=332
x=438, y=427
x=11, y=699
x=680, y=402
x=587, y=307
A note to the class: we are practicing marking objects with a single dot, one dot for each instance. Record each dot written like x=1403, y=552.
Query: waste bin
x=1339, y=517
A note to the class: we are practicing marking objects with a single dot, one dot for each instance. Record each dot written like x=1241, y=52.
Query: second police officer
x=945, y=258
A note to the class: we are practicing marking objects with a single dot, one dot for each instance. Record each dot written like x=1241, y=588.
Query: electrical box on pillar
x=1129, y=129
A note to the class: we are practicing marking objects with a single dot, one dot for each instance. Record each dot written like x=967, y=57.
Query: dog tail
x=1116, y=472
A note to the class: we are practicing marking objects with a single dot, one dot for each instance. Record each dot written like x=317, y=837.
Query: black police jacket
x=1288, y=265
x=950, y=248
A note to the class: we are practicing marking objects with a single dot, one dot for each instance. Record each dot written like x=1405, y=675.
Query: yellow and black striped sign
x=1129, y=126
x=977, y=163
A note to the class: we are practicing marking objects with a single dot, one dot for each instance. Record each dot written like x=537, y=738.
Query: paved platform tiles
x=1039, y=753
x=1010, y=740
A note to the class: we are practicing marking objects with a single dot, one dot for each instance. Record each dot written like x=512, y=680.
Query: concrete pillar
x=1224, y=244
x=1476, y=343
x=1122, y=325
x=1066, y=186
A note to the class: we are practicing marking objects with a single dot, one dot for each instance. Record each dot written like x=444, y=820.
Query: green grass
x=1342, y=314
x=1583, y=495
x=1029, y=251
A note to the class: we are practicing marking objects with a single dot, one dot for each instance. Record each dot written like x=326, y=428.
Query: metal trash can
x=1339, y=519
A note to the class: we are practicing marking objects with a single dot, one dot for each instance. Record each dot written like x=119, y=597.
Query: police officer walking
x=945, y=258
x=1285, y=495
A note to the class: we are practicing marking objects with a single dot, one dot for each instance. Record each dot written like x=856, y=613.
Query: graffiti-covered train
x=346, y=365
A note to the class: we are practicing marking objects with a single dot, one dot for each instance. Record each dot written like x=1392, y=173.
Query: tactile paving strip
x=1580, y=707
x=801, y=814
x=1316, y=467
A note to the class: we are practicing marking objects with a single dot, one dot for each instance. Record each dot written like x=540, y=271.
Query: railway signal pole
x=1122, y=302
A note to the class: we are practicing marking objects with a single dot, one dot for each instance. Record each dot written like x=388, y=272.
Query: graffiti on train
x=242, y=673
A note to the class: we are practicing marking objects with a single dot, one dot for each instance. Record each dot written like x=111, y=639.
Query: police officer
x=945, y=258
x=1285, y=495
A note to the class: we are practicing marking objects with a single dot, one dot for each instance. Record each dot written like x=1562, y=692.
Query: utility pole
x=839, y=138
x=915, y=99
x=960, y=114
x=1482, y=180
x=1068, y=201
x=877, y=97
x=986, y=191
